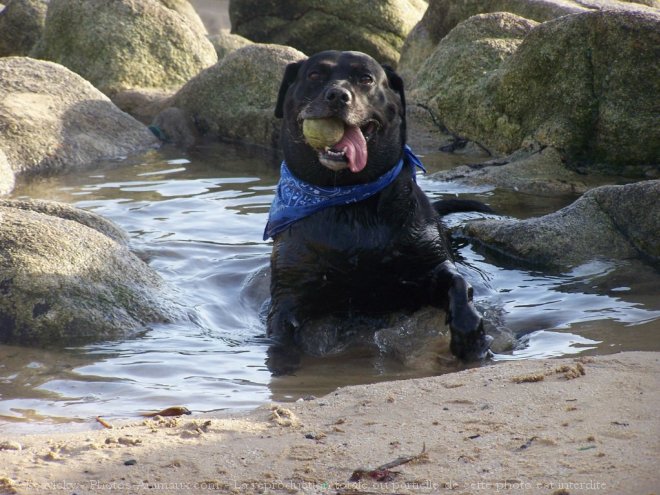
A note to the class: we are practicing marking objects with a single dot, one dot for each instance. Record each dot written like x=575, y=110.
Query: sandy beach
x=565, y=426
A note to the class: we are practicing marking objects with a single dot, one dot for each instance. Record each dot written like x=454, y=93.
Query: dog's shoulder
x=395, y=219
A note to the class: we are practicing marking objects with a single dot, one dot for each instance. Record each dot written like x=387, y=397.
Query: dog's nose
x=338, y=96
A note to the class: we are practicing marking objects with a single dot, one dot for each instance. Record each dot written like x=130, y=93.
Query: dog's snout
x=339, y=96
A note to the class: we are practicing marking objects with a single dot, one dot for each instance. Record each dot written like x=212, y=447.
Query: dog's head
x=367, y=102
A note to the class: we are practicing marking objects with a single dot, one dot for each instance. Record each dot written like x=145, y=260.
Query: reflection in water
x=198, y=221
x=544, y=344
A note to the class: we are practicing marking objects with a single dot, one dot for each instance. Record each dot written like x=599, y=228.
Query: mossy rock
x=376, y=27
x=536, y=172
x=226, y=42
x=444, y=15
x=608, y=222
x=21, y=25
x=51, y=119
x=586, y=85
x=7, y=176
x=63, y=282
x=455, y=82
x=185, y=8
x=235, y=99
x=125, y=44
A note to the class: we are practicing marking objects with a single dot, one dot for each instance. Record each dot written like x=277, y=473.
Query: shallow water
x=198, y=220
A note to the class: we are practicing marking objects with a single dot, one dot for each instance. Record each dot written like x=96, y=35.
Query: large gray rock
x=225, y=42
x=125, y=44
x=64, y=281
x=6, y=175
x=185, y=8
x=456, y=80
x=143, y=103
x=538, y=172
x=586, y=85
x=443, y=15
x=612, y=222
x=68, y=212
x=21, y=25
x=51, y=119
x=376, y=27
x=235, y=99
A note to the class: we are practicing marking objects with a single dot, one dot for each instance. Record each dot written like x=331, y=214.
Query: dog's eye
x=366, y=79
x=314, y=75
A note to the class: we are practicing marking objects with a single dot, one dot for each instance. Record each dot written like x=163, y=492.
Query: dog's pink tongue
x=356, y=148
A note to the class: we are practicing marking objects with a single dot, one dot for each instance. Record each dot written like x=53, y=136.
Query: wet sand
x=556, y=427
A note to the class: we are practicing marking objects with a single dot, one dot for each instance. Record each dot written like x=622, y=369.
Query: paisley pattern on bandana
x=296, y=199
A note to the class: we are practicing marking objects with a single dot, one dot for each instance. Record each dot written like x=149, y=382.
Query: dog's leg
x=283, y=356
x=468, y=338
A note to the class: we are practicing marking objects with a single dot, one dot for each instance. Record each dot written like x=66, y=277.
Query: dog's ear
x=290, y=74
x=396, y=83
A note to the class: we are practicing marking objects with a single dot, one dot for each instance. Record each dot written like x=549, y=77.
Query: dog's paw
x=469, y=341
x=321, y=337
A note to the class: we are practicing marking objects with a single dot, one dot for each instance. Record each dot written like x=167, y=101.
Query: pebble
x=9, y=445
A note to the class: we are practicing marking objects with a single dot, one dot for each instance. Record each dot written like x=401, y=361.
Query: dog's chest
x=355, y=257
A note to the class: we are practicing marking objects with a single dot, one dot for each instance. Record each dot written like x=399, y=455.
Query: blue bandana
x=296, y=199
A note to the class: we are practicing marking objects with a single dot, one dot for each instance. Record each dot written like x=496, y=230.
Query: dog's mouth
x=350, y=151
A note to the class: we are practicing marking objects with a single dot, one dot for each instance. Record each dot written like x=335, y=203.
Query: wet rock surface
x=552, y=89
x=235, y=99
x=608, y=222
x=67, y=277
x=126, y=43
x=21, y=25
x=378, y=28
x=53, y=120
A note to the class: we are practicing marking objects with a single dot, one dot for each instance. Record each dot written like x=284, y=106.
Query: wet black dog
x=382, y=247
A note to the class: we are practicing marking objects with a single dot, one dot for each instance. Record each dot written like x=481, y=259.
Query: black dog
x=382, y=247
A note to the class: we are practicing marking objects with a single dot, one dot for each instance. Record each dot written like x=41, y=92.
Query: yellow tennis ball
x=321, y=133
